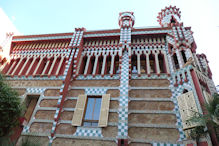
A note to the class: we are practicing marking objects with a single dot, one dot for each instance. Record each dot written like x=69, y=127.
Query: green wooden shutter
x=79, y=110
x=104, y=111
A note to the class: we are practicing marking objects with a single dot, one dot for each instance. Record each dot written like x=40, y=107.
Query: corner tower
x=169, y=15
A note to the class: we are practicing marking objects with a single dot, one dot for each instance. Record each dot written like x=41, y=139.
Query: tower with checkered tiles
x=127, y=86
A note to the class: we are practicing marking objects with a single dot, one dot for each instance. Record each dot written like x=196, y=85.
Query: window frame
x=91, y=121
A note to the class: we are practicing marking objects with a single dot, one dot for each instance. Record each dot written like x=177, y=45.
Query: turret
x=126, y=19
x=169, y=15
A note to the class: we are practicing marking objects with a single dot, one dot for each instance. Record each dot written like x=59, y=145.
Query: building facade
x=126, y=86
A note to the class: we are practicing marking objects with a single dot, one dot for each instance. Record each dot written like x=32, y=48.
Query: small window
x=176, y=61
x=92, y=111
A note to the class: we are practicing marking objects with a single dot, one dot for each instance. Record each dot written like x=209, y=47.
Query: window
x=100, y=64
x=161, y=63
x=134, y=64
x=108, y=64
x=184, y=56
x=92, y=111
x=152, y=63
x=143, y=64
x=116, y=65
x=83, y=65
x=175, y=61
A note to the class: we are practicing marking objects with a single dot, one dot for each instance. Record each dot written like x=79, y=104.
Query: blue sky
x=54, y=16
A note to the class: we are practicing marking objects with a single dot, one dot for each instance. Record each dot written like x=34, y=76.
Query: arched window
x=41, y=67
x=108, y=64
x=116, y=64
x=143, y=64
x=91, y=65
x=49, y=65
x=162, y=63
x=175, y=61
x=152, y=63
x=184, y=56
x=134, y=64
x=83, y=64
x=100, y=64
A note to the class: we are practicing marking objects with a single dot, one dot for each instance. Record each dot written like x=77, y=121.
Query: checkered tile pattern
x=123, y=100
x=167, y=144
x=35, y=90
x=70, y=54
x=152, y=76
x=95, y=91
x=26, y=129
x=87, y=131
x=177, y=91
x=97, y=77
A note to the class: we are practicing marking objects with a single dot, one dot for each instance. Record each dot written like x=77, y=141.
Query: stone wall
x=65, y=129
x=75, y=93
x=20, y=91
x=52, y=92
x=39, y=140
x=152, y=93
x=151, y=109
x=152, y=119
x=35, y=83
x=151, y=105
x=95, y=83
x=49, y=103
x=37, y=127
x=43, y=114
x=154, y=134
x=113, y=92
x=149, y=83
x=82, y=142
x=110, y=131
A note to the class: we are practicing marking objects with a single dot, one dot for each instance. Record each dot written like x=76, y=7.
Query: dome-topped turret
x=126, y=19
x=169, y=15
